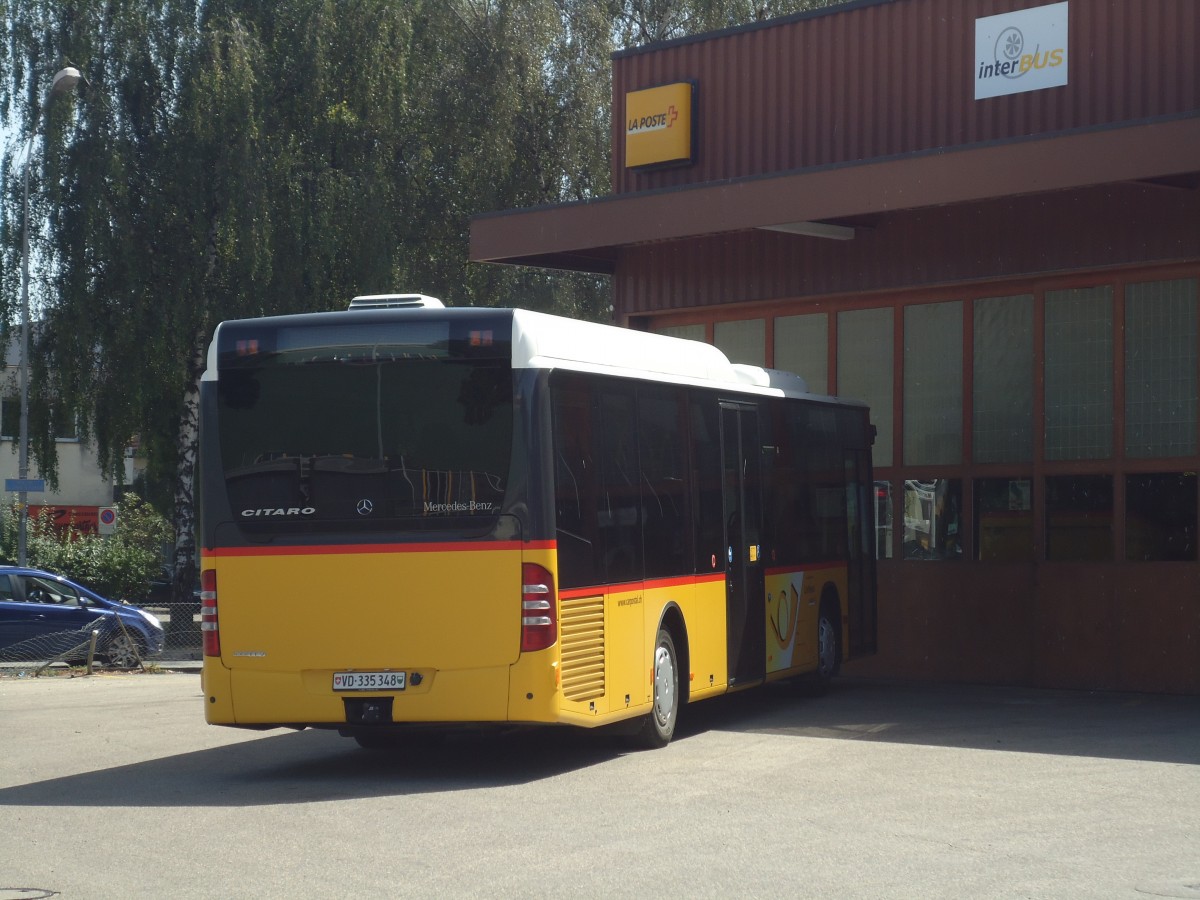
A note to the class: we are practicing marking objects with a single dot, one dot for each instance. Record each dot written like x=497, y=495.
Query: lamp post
x=64, y=80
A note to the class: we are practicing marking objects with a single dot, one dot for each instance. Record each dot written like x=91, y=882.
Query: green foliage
x=119, y=566
x=640, y=22
x=234, y=158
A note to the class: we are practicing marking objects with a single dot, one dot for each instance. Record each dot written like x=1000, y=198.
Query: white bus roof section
x=541, y=341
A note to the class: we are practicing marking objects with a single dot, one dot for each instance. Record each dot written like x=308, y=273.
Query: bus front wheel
x=659, y=726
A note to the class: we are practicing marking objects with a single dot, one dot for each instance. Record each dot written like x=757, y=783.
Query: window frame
x=1117, y=464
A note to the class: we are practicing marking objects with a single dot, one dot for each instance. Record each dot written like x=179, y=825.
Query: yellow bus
x=419, y=514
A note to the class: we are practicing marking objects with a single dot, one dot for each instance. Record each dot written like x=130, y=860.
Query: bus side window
x=575, y=487
x=826, y=475
x=705, y=438
x=618, y=511
x=663, y=455
x=786, y=521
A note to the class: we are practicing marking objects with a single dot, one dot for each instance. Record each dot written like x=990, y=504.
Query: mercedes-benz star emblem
x=365, y=507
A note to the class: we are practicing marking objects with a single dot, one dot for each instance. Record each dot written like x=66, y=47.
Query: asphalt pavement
x=880, y=789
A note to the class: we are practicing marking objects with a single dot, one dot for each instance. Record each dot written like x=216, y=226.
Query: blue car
x=43, y=616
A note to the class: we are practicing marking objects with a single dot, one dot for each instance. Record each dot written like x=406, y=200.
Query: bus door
x=860, y=525
x=741, y=463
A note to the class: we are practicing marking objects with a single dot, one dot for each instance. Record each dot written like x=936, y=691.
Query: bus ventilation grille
x=582, y=622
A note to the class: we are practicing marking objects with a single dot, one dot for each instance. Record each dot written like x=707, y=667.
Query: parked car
x=43, y=615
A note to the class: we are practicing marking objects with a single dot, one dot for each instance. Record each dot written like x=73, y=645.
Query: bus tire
x=827, y=648
x=659, y=726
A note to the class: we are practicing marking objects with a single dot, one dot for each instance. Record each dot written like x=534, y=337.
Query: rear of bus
x=367, y=556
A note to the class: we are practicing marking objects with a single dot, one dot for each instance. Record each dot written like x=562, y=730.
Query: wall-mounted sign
x=29, y=485
x=658, y=126
x=1021, y=51
x=68, y=519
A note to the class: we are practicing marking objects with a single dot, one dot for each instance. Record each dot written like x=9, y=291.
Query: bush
x=119, y=566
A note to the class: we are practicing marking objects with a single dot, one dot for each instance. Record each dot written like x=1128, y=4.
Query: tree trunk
x=184, y=632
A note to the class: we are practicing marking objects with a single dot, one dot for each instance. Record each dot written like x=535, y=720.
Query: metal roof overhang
x=587, y=236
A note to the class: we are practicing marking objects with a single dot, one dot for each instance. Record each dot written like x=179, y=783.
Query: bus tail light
x=208, y=613
x=539, y=608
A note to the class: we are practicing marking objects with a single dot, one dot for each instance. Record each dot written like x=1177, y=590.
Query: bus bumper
x=308, y=698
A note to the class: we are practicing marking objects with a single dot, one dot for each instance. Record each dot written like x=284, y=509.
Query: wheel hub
x=664, y=685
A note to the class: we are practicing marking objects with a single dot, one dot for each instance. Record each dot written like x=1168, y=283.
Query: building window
x=1004, y=519
x=931, y=519
x=1079, y=518
x=933, y=394
x=883, y=520
x=864, y=370
x=1079, y=373
x=743, y=342
x=10, y=418
x=1160, y=369
x=694, y=332
x=802, y=346
x=1160, y=517
x=1003, y=380
x=65, y=428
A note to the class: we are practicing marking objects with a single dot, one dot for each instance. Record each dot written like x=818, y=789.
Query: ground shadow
x=302, y=767
x=1147, y=727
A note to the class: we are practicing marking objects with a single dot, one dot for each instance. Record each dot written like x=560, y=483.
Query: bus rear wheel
x=659, y=726
x=827, y=649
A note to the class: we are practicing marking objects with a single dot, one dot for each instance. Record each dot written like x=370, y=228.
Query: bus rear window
x=365, y=438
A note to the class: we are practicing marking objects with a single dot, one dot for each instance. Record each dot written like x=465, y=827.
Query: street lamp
x=64, y=81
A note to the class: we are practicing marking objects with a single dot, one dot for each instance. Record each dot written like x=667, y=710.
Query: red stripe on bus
x=650, y=584
x=349, y=549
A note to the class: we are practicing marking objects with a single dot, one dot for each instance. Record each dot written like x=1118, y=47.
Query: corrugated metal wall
x=880, y=79
x=884, y=79
x=1113, y=225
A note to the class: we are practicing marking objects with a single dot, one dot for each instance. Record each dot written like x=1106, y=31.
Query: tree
x=509, y=108
x=233, y=158
x=213, y=171
x=650, y=21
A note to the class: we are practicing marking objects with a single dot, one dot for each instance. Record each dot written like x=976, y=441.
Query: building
x=83, y=491
x=983, y=217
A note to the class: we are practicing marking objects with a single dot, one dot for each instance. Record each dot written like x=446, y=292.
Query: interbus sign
x=658, y=125
x=1021, y=51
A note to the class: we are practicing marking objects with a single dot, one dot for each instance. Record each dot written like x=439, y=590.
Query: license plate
x=368, y=681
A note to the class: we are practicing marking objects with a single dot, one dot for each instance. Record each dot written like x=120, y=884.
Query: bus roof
x=544, y=341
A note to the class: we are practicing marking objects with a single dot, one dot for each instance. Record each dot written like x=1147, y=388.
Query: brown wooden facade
x=863, y=117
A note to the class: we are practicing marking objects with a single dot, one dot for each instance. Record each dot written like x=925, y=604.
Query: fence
x=105, y=641
x=181, y=621
x=29, y=645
